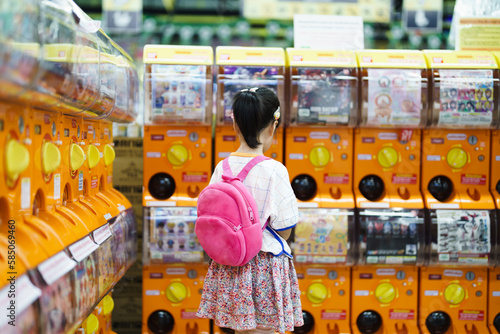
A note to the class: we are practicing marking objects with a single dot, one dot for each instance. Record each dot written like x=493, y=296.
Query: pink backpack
x=228, y=225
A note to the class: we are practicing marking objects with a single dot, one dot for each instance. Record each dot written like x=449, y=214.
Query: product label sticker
x=80, y=181
x=57, y=186
x=194, y=177
x=321, y=236
x=237, y=78
x=178, y=92
x=401, y=314
x=189, y=313
x=463, y=236
x=324, y=95
x=25, y=193
x=333, y=314
x=392, y=240
x=82, y=248
x=26, y=294
x=102, y=234
x=466, y=97
x=475, y=179
x=172, y=238
x=404, y=178
x=394, y=97
x=56, y=267
x=94, y=182
x=471, y=315
x=332, y=178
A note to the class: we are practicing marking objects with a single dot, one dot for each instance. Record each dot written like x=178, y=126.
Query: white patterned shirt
x=269, y=184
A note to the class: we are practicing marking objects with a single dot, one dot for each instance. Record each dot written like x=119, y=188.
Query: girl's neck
x=244, y=148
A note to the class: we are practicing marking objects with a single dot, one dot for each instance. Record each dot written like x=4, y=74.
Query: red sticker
x=336, y=178
x=194, y=177
x=300, y=139
x=406, y=135
x=437, y=140
x=95, y=182
x=402, y=314
x=189, y=314
x=228, y=138
x=368, y=140
x=333, y=314
x=404, y=178
x=471, y=315
x=157, y=137
x=474, y=179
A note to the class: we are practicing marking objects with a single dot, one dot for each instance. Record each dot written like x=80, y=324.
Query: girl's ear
x=275, y=124
x=235, y=127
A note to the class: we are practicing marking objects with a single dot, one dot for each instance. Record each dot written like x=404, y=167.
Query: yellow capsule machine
x=177, y=166
x=455, y=185
x=239, y=68
x=390, y=239
x=322, y=98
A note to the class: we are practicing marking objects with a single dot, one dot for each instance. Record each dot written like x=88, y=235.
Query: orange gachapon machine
x=177, y=166
x=318, y=151
x=455, y=185
x=390, y=240
x=245, y=67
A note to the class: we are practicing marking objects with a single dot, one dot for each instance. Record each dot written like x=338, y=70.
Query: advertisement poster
x=394, y=97
x=106, y=268
x=321, y=236
x=178, y=92
x=118, y=247
x=56, y=306
x=324, y=95
x=463, y=236
x=242, y=77
x=172, y=237
x=391, y=241
x=86, y=285
x=466, y=97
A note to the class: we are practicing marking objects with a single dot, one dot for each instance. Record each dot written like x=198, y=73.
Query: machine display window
x=236, y=78
x=465, y=97
x=394, y=97
x=391, y=238
x=171, y=235
x=463, y=236
x=321, y=236
x=323, y=95
x=178, y=92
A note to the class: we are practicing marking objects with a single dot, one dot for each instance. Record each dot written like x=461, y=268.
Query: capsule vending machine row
x=240, y=68
x=318, y=151
x=177, y=166
x=455, y=185
x=390, y=240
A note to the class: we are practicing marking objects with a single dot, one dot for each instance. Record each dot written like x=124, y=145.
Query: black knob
x=228, y=330
x=496, y=321
x=369, y=321
x=371, y=187
x=161, y=322
x=440, y=187
x=308, y=324
x=498, y=187
x=438, y=322
x=304, y=186
x=161, y=186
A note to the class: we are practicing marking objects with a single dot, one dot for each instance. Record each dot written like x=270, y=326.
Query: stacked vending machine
x=455, y=171
x=239, y=68
x=390, y=229
x=177, y=166
x=323, y=88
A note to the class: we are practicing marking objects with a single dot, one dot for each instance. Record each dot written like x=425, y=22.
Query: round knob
x=176, y=292
x=51, y=158
x=369, y=322
x=387, y=157
x=308, y=324
x=317, y=293
x=93, y=156
x=496, y=322
x=440, y=187
x=109, y=154
x=456, y=158
x=498, y=187
x=76, y=157
x=227, y=330
x=304, y=186
x=319, y=156
x=177, y=155
x=17, y=159
x=161, y=186
x=454, y=293
x=371, y=187
x=385, y=293
x=438, y=322
x=161, y=322
x=91, y=324
x=107, y=305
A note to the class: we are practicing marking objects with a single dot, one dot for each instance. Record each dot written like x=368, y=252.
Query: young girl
x=262, y=296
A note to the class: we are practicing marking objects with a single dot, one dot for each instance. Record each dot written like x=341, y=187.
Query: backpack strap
x=228, y=174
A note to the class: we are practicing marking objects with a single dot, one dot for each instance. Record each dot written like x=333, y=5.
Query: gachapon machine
x=323, y=253
x=174, y=268
x=390, y=241
x=455, y=185
x=178, y=124
x=245, y=67
x=319, y=134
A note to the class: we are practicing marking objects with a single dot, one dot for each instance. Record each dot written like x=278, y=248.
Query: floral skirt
x=263, y=293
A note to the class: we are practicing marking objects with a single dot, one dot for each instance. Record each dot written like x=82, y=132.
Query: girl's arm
x=285, y=234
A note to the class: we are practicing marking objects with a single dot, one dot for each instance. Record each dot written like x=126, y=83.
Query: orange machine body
x=240, y=68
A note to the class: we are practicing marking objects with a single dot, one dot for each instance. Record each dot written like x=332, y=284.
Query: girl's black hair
x=253, y=111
